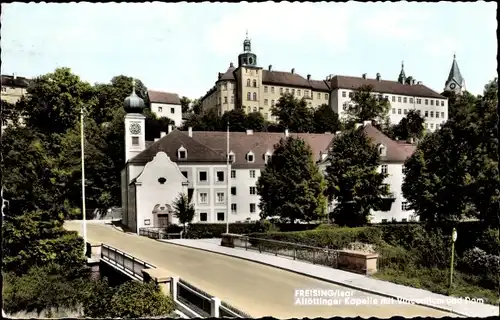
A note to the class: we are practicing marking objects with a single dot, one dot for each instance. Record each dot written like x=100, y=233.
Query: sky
x=181, y=47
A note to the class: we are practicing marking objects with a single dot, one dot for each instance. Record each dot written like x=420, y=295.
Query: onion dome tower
x=133, y=103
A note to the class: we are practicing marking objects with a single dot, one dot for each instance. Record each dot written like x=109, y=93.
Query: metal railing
x=228, y=311
x=315, y=255
x=159, y=233
x=125, y=262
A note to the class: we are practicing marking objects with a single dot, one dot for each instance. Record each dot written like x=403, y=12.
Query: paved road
x=254, y=288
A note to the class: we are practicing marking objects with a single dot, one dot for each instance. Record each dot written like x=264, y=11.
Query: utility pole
x=84, y=214
x=228, y=174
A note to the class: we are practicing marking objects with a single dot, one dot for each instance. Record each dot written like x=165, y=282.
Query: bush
x=487, y=266
x=215, y=230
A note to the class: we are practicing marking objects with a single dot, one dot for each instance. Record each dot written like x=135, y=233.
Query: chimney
x=293, y=70
x=156, y=139
x=169, y=128
x=357, y=125
x=14, y=75
x=231, y=65
x=162, y=134
x=190, y=132
x=413, y=82
x=364, y=75
x=419, y=82
x=249, y=132
x=379, y=78
x=286, y=132
x=367, y=122
x=270, y=67
x=308, y=77
x=338, y=132
x=219, y=76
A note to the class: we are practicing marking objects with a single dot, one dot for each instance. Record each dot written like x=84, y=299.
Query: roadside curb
x=328, y=280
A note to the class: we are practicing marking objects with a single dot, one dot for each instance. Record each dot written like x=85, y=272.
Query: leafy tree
x=326, y=120
x=454, y=172
x=366, y=105
x=139, y=300
x=236, y=118
x=354, y=182
x=184, y=210
x=97, y=298
x=411, y=126
x=291, y=186
x=196, y=106
x=155, y=125
x=255, y=121
x=185, y=101
x=293, y=114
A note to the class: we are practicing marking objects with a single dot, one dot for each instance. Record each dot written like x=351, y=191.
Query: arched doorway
x=162, y=214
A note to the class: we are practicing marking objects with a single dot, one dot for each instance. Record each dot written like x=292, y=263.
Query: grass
x=437, y=281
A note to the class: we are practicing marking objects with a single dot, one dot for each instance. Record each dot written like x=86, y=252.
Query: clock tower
x=135, y=136
x=455, y=82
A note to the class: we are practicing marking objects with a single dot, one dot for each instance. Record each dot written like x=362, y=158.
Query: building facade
x=254, y=89
x=14, y=88
x=166, y=104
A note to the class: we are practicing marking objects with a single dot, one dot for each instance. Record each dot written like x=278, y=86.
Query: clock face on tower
x=452, y=86
x=135, y=128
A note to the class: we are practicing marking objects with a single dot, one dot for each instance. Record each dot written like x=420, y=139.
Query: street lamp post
x=228, y=177
x=83, y=183
x=453, y=239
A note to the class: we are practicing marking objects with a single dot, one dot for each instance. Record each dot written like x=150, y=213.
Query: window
x=266, y=116
x=225, y=100
x=252, y=191
x=233, y=207
x=411, y=100
x=437, y=114
x=231, y=157
x=419, y=112
x=203, y=216
x=252, y=174
x=432, y=113
x=405, y=111
x=393, y=99
x=287, y=90
x=432, y=125
x=233, y=174
x=293, y=91
x=4, y=89
x=254, y=96
x=437, y=126
x=135, y=141
x=399, y=99
x=272, y=102
x=220, y=197
x=442, y=103
x=255, y=83
x=232, y=99
x=220, y=216
x=384, y=220
x=252, y=207
x=306, y=93
x=432, y=102
x=399, y=111
x=220, y=176
x=248, y=82
x=224, y=86
x=249, y=96
x=272, y=89
x=343, y=94
x=182, y=154
x=404, y=220
x=298, y=92
x=351, y=95
x=419, y=101
x=426, y=114
x=203, y=176
x=426, y=101
x=250, y=157
x=442, y=114
x=393, y=111
x=319, y=95
x=265, y=89
x=383, y=168
x=254, y=109
x=265, y=102
x=405, y=206
x=404, y=100
x=203, y=197
x=267, y=157
x=233, y=191
x=160, y=109
x=184, y=173
x=326, y=96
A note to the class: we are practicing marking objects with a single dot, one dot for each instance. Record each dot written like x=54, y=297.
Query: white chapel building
x=195, y=163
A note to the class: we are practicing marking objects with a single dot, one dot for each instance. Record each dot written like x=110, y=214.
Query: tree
x=255, y=121
x=411, y=126
x=293, y=114
x=185, y=101
x=354, y=182
x=184, y=210
x=139, y=300
x=365, y=106
x=155, y=125
x=197, y=106
x=453, y=174
x=237, y=120
x=291, y=185
x=326, y=120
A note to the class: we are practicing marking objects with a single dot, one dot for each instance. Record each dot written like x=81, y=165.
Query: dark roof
x=284, y=78
x=17, y=82
x=320, y=85
x=164, y=97
x=395, y=152
x=196, y=152
x=228, y=75
x=455, y=74
x=384, y=86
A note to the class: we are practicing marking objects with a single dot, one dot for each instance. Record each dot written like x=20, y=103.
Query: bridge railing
x=127, y=263
x=159, y=233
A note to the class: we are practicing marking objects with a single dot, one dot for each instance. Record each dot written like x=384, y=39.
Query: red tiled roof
x=164, y=97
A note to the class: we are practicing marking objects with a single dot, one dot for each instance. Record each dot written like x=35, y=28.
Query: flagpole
x=83, y=183
x=228, y=182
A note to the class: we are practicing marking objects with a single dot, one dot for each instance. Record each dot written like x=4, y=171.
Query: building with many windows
x=255, y=89
x=196, y=164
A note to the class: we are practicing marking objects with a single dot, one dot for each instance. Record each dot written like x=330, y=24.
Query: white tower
x=135, y=135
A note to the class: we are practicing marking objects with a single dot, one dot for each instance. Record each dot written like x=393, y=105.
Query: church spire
x=247, y=45
x=455, y=81
x=402, y=76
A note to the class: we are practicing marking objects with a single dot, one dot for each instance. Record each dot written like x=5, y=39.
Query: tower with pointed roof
x=247, y=58
x=455, y=82
x=402, y=76
x=135, y=136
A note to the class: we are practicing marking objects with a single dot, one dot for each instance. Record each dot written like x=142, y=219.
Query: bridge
x=256, y=289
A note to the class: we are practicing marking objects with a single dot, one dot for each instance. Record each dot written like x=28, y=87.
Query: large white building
x=166, y=104
x=194, y=163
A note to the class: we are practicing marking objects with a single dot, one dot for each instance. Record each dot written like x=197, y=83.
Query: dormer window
x=231, y=157
x=267, y=157
x=182, y=153
x=382, y=150
x=250, y=157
